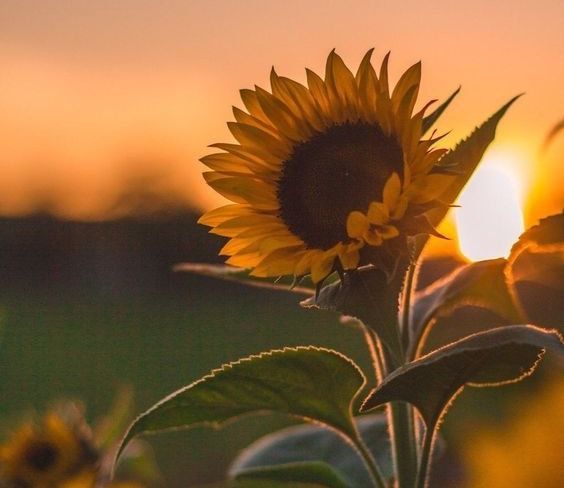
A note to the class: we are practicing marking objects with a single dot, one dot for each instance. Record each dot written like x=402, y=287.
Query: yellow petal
x=244, y=190
x=409, y=81
x=279, y=262
x=244, y=118
x=299, y=101
x=280, y=116
x=349, y=256
x=428, y=188
x=253, y=222
x=357, y=224
x=322, y=266
x=342, y=85
x=225, y=162
x=388, y=231
x=236, y=245
x=260, y=140
x=384, y=86
x=303, y=266
x=392, y=190
x=373, y=238
x=221, y=214
x=252, y=104
x=277, y=242
x=318, y=90
x=378, y=213
x=403, y=113
x=259, y=161
x=368, y=88
x=401, y=207
x=245, y=260
x=426, y=163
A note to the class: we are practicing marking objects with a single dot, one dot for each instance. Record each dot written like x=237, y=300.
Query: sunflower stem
x=425, y=461
x=404, y=449
x=400, y=414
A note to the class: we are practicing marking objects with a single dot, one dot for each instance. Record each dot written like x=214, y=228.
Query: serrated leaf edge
x=222, y=369
x=400, y=370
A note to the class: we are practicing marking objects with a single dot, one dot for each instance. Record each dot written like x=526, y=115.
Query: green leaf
x=294, y=474
x=307, y=382
x=497, y=356
x=536, y=267
x=463, y=159
x=482, y=284
x=430, y=119
x=313, y=443
x=367, y=295
x=545, y=238
x=241, y=275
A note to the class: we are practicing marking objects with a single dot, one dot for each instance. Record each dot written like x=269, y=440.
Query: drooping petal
x=378, y=213
x=322, y=266
x=357, y=224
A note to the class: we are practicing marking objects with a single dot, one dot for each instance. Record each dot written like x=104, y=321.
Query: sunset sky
x=99, y=96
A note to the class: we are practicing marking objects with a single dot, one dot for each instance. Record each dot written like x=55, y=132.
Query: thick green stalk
x=425, y=462
x=400, y=414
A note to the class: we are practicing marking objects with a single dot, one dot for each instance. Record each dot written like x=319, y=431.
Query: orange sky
x=97, y=95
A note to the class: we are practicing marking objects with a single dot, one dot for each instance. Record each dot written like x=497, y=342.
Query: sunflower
x=44, y=456
x=325, y=177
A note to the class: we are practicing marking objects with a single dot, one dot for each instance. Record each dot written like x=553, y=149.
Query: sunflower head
x=324, y=177
x=44, y=455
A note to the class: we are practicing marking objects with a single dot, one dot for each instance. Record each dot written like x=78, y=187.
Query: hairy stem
x=375, y=349
x=426, y=457
x=405, y=322
x=401, y=415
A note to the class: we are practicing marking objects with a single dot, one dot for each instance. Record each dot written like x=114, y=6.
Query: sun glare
x=490, y=218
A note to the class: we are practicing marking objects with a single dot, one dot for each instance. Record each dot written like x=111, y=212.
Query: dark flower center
x=333, y=173
x=42, y=455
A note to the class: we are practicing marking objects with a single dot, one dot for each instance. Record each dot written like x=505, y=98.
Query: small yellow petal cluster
x=376, y=225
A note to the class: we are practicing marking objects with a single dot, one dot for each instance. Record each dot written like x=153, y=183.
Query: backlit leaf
x=536, y=267
x=313, y=443
x=490, y=358
x=464, y=159
x=480, y=284
x=307, y=382
x=306, y=474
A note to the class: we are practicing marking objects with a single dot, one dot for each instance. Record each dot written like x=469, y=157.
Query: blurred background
x=105, y=108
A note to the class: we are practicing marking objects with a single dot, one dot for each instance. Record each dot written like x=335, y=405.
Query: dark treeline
x=120, y=256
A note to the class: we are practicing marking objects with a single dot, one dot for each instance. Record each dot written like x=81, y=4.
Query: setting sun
x=490, y=217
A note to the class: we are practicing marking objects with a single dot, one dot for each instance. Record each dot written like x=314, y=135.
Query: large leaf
x=482, y=284
x=292, y=475
x=536, y=267
x=430, y=119
x=489, y=358
x=312, y=443
x=368, y=296
x=464, y=159
x=241, y=275
x=307, y=382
